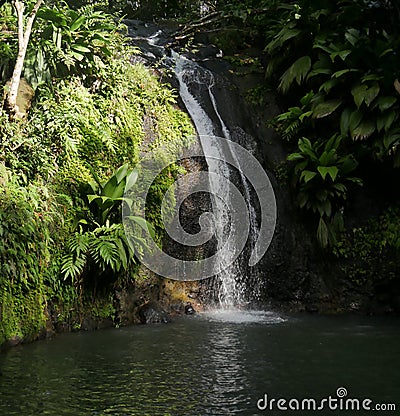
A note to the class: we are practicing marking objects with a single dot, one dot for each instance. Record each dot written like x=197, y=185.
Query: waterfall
x=195, y=87
x=236, y=284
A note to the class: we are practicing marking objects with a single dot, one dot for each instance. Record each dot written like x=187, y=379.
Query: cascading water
x=196, y=89
x=192, y=78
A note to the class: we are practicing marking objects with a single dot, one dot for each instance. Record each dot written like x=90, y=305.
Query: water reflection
x=197, y=366
x=230, y=384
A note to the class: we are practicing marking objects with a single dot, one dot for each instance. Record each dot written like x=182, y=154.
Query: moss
x=44, y=162
x=370, y=252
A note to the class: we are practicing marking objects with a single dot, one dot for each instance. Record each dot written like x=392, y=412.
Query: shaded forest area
x=333, y=66
x=334, y=69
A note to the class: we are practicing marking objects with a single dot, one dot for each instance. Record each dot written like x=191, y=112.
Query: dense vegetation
x=334, y=67
x=65, y=160
x=64, y=165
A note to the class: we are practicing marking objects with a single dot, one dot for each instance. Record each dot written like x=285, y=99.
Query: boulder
x=152, y=313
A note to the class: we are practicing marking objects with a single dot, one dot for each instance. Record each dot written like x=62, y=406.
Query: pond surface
x=212, y=364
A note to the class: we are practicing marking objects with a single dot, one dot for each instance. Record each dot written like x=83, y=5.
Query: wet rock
x=311, y=308
x=105, y=323
x=189, y=310
x=13, y=341
x=62, y=326
x=88, y=324
x=153, y=313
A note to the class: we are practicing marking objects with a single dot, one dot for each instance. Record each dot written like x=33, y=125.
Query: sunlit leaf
x=332, y=171
x=326, y=108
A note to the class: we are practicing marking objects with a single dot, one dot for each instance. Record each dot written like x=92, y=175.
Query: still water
x=211, y=364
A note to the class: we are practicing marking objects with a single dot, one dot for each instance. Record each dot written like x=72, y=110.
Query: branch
x=19, y=7
x=23, y=39
x=31, y=19
x=191, y=27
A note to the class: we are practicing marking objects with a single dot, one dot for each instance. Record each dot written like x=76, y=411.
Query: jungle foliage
x=63, y=168
x=336, y=68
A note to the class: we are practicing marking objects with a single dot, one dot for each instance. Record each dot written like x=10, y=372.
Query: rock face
x=295, y=273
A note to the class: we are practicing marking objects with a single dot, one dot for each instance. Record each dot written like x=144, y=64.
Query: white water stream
x=192, y=78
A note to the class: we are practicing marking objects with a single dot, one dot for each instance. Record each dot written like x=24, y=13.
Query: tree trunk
x=23, y=39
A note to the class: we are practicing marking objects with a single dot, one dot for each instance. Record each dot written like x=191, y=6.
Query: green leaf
x=284, y=35
x=145, y=225
x=295, y=156
x=391, y=139
x=122, y=172
x=307, y=175
x=328, y=157
x=297, y=71
x=322, y=233
x=306, y=147
x=325, y=208
x=332, y=171
x=355, y=120
x=340, y=73
x=363, y=93
x=371, y=77
x=364, y=130
x=304, y=101
x=319, y=71
x=385, y=103
x=328, y=85
x=381, y=121
x=392, y=116
x=80, y=48
x=326, y=108
x=52, y=15
x=78, y=23
x=341, y=54
x=78, y=56
x=92, y=198
x=322, y=195
x=302, y=199
x=341, y=188
x=352, y=35
x=304, y=115
x=345, y=121
x=333, y=143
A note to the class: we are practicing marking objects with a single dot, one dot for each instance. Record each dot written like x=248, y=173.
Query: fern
x=106, y=247
x=73, y=263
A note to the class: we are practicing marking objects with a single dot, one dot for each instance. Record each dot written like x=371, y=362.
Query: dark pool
x=215, y=364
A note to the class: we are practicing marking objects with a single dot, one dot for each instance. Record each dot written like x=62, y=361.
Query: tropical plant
x=292, y=123
x=8, y=46
x=107, y=196
x=323, y=48
x=370, y=252
x=322, y=180
x=69, y=41
x=31, y=231
x=100, y=239
x=105, y=246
